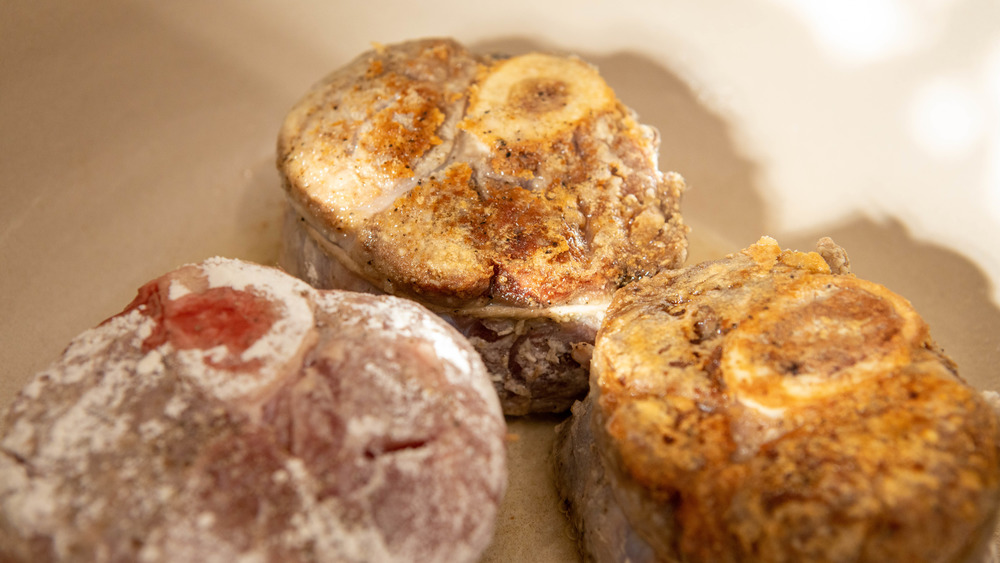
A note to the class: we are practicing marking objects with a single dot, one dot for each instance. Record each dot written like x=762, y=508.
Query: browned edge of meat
x=511, y=195
x=771, y=406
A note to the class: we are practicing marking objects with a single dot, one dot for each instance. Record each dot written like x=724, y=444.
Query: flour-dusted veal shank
x=510, y=195
x=769, y=407
x=233, y=413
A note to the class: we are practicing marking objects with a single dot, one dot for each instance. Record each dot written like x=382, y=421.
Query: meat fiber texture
x=771, y=406
x=233, y=413
x=510, y=195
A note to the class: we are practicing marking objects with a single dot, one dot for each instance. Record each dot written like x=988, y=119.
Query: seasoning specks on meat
x=497, y=191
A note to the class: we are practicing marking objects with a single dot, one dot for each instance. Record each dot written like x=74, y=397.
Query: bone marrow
x=771, y=406
x=476, y=184
x=232, y=412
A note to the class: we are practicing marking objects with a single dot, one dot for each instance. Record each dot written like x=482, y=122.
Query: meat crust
x=763, y=408
x=483, y=187
x=232, y=412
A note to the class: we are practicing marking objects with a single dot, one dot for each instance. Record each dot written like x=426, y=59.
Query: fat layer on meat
x=493, y=190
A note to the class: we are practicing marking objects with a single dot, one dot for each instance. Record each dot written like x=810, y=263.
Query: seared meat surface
x=233, y=413
x=768, y=407
x=511, y=195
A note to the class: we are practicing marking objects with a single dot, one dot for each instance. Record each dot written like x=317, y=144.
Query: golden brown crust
x=781, y=412
x=459, y=179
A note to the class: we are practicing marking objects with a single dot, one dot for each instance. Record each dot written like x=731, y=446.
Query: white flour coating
x=152, y=429
x=177, y=290
x=151, y=363
x=388, y=319
x=107, y=400
x=322, y=522
x=175, y=406
x=224, y=272
x=30, y=498
x=182, y=539
x=61, y=437
x=401, y=318
x=87, y=349
x=73, y=425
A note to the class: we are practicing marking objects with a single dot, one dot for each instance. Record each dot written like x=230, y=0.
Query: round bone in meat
x=510, y=195
x=233, y=413
x=769, y=406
